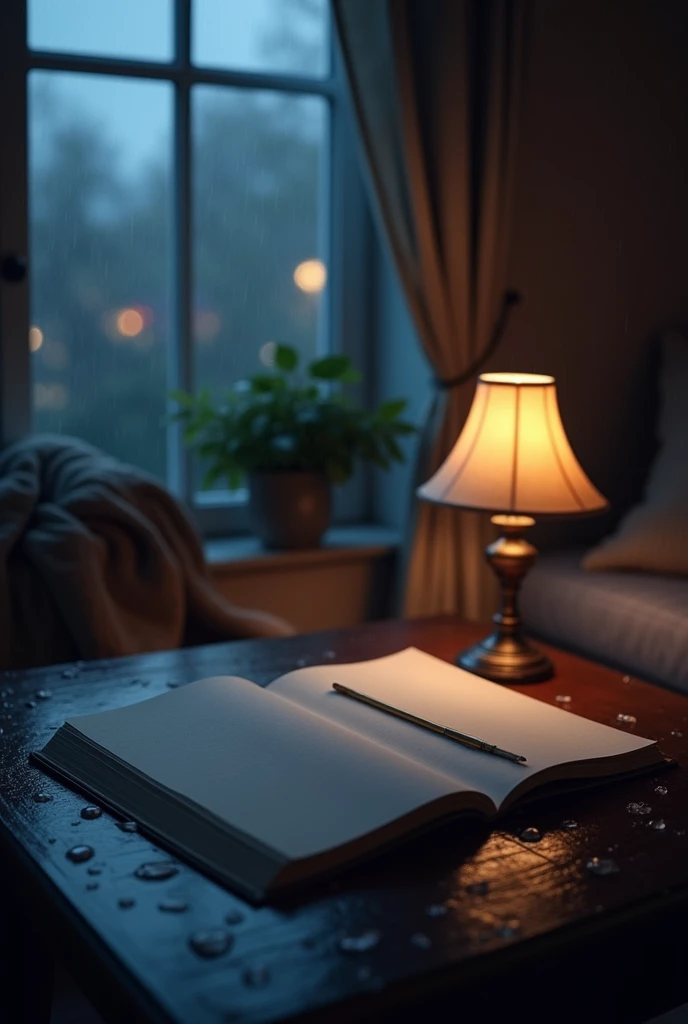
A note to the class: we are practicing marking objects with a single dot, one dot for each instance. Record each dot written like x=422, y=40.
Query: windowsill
x=341, y=544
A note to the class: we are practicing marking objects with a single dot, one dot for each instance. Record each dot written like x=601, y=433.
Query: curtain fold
x=436, y=87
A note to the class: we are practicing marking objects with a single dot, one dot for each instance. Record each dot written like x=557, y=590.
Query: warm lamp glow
x=513, y=455
x=130, y=322
x=512, y=458
x=310, y=276
x=35, y=338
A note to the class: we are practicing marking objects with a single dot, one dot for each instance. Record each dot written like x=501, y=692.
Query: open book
x=264, y=788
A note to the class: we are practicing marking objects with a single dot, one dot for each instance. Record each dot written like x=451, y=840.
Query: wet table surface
x=466, y=916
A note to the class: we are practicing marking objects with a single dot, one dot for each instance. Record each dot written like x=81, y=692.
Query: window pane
x=259, y=231
x=103, y=28
x=290, y=36
x=100, y=160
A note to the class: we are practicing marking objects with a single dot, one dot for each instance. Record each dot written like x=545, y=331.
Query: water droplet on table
x=676, y=732
x=626, y=719
x=92, y=886
x=79, y=854
x=95, y=870
x=157, y=871
x=569, y=823
x=509, y=928
x=562, y=698
x=234, y=917
x=31, y=704
x=91, y=812
x=436, y=910
x=658, y=825
x=211, y=942
x=172, y=686
x=638, y=807
x=359, y=943
x=75, y=823
x=173, y=906
x=126, y=902
x=662, y=790
x=43, y=694
x=256, y=977
x=421, y=941
x=602, y=866
x=70, y=673
x=52, y=840
x=127, y=826
x=478, y=888
x=530, y=835
x=42, y=798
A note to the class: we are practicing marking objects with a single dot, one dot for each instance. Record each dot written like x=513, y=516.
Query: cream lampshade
x=512, y=458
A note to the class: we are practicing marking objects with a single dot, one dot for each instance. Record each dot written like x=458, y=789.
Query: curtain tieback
x=509, y=300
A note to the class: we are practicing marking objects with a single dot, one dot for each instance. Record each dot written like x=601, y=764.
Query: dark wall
x=600, y=236
x=600, y=241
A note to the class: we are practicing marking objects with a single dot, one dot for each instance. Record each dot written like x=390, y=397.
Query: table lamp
x=512, y=458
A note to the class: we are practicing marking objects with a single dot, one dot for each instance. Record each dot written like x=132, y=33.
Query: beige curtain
x=436, y=85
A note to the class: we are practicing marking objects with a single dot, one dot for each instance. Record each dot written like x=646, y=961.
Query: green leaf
x=330, y=368
x=210, y=477
x=235, y=478
x=286, y=358
x=403, y=428
x=183, y=398
x=394, y=449
x=391, y=409
x=350, y=377
x=263, y=383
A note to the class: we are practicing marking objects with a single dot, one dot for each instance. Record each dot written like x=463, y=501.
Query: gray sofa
x=629, y=609
x=634, y=621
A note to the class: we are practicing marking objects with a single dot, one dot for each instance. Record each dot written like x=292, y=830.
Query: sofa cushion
x=652, y=535
x=636, y=622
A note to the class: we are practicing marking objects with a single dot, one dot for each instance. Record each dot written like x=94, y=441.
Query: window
x=182, y=176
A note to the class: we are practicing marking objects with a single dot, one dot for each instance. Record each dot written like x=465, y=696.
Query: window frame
x=346, y=320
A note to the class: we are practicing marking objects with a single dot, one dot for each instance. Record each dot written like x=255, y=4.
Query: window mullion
x=15, y=369
x=180, y=361
x=177, y=71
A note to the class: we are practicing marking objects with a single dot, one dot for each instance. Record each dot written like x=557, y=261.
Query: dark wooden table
x=464, y=921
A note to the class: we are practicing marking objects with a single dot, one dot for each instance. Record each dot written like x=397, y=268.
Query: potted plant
x=291, y=435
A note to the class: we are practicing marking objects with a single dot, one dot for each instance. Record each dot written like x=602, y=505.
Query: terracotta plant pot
x=290, y=510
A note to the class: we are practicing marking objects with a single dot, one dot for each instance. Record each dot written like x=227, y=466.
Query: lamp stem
x=505, y=655
x=511, y=556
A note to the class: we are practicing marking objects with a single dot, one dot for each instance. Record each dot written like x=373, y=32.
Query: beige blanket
x=98, y=560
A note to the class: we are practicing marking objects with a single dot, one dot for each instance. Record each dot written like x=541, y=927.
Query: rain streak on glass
x=100, y=155
x=259, y=158
x=101, y=28
x=287, y=36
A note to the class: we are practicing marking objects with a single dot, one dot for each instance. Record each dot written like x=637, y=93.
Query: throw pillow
x=653, y=536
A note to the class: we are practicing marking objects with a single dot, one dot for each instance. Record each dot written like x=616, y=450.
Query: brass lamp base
x=503, y=662
x=505, y=656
